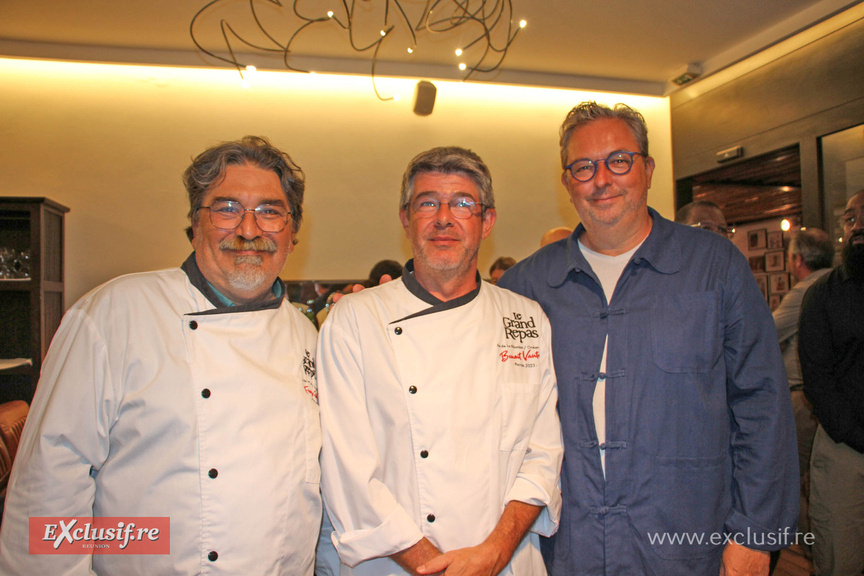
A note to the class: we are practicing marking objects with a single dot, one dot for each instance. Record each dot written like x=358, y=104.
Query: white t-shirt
x=608, y=270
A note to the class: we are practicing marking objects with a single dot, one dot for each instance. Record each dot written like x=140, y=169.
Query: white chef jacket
x=152, y=402
x=435, y=416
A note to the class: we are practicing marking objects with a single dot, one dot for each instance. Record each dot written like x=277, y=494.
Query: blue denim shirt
x=700, y=440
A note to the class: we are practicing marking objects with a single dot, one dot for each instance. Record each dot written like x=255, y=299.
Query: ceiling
x=630, y=46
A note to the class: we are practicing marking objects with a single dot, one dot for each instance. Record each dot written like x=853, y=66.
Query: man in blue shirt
x=680, y=454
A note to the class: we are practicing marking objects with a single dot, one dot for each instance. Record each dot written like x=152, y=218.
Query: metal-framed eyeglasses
x=228, y=214
x=462, y=207
x=619, y=162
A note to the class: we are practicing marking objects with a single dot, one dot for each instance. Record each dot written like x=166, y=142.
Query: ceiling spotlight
x=383, y=33
x=329, y=14
x=462, y=66
x=251, y=70
x=458, y=51
x=410, y=50
x=785, y=225
x=523, y=23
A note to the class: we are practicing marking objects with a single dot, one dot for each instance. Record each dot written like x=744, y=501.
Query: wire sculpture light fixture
x=487, y=29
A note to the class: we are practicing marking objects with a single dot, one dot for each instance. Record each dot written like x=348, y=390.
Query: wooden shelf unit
x=30, y=310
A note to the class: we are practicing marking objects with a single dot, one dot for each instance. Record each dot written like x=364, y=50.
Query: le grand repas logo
x=518, y=328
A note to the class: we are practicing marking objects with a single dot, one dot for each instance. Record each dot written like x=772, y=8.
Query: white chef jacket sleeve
x=66, y=434
x=538, y=480
x=368, y=521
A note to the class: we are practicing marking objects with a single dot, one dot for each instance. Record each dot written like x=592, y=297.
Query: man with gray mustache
x=188, y=394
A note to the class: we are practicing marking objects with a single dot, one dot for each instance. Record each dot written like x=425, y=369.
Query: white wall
x=111, y=142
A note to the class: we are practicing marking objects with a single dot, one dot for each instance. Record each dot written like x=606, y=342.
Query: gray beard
x=248, y=275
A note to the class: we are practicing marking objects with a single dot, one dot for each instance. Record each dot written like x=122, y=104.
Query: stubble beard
x=445, y=267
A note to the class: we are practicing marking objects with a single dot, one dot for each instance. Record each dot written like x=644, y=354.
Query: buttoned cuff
x=396, y=533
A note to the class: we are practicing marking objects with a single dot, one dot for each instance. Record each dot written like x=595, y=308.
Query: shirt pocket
x=690, y=502
x=684, y=332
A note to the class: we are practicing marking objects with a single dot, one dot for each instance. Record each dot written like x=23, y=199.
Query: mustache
x=261, y=244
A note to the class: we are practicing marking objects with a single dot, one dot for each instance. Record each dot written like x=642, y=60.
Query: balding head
x=554, y=235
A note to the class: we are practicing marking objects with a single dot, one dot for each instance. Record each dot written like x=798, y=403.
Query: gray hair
x=587, y=112
x=208, y=170
x=815, y=247
x=448, y=160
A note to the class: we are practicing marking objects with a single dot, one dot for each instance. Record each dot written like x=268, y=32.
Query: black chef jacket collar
x=190, y=267
x=436, y=304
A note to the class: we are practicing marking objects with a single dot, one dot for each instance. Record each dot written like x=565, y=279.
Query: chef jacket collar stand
x=190, y=267
x=660, y=250
x=436, y=305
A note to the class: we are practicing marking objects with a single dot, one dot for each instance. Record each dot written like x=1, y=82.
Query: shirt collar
x=661, y=250
x=436, y=305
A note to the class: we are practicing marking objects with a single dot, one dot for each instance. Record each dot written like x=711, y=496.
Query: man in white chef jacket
x=186, y=393
x=441, y=443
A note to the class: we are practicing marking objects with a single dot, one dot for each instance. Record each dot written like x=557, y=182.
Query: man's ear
x=489, y=218
x=403, y=217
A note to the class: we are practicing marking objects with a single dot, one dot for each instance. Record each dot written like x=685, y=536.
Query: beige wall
x=111, y=143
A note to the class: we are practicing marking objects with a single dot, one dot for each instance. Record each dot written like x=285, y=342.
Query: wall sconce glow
x=462, y=66
x=458, y=51
x=785, y=225
x=523, y=23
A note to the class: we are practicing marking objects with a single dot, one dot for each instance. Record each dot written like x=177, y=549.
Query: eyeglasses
x=620, y=163
x=460, y=207
x=849, y=219
x=711, y=227
x=228, y=214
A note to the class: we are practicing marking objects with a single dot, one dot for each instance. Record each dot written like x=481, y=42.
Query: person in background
x=706, y=215
x=810, y=256
x=442, y=446
x=831, y=349
x=187, y=393
x=389, y=268
x=554, y=234
x=498, y=268
x=675, y=411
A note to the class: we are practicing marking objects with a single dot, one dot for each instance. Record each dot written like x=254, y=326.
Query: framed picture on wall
x=775, y=240
x=757, y=239
x=757, y=264
x=762, y=282
x=778, y=283
x=775, y=261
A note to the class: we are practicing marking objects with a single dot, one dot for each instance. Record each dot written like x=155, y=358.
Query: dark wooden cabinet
x=31, y=288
